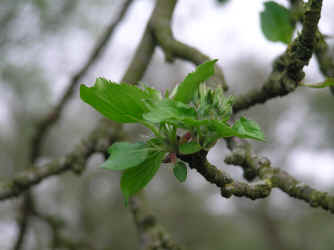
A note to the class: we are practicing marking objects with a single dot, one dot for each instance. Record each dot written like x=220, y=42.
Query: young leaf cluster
x=192, y=118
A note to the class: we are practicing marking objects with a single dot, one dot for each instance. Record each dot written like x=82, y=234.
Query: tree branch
x=152, y=235
x=161, y=29
x=141, y=59
x=23, y=221
x=277, y=178
x=288, y=68
x=223, y=180
x=324, y=58
x=98, y=141
x=60, y=241
x=322, y=51
x=261, y=167
x=286, y=75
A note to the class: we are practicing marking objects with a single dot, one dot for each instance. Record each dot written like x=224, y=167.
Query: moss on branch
x=288, y=68
x=278, y=178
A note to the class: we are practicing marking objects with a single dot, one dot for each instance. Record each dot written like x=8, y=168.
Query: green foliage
x=180, y=171
x=222, y=129
x=125, y=155
x=248, y=129
x=189, y=148
x=327, y=83
x=276, y=23
x=168, y=109
x=134, y=179
x=119, y=102
x=192, y=119
x=190, y=84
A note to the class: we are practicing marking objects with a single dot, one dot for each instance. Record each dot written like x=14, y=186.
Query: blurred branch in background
x=45, y=124
x=270, y=226
x=152, y=235
x=59, y=241
x=98, y=141
x=5, y=22
x=324, y=57
x=172, y=48
x=50, y=119
x=51, y=15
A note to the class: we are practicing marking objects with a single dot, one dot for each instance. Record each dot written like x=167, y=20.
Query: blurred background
x=43, y=43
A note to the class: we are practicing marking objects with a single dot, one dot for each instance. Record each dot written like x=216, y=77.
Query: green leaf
x=125, y=155
x=248, y=129
x=153, y=94
x=168, y=109
x=180, y=171
x=276, y=23
x=189, y=123
x=186, y=90
x=222, y=129
x=212, y=104
x=225, y=107
x=157, y=144
x=119, y=102
x=189, y=148
x=327, y=83
x=135, y=179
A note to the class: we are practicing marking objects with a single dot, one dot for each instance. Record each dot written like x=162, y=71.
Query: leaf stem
x=327, y=83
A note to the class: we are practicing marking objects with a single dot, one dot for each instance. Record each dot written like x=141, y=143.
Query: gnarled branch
x=288, y=68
